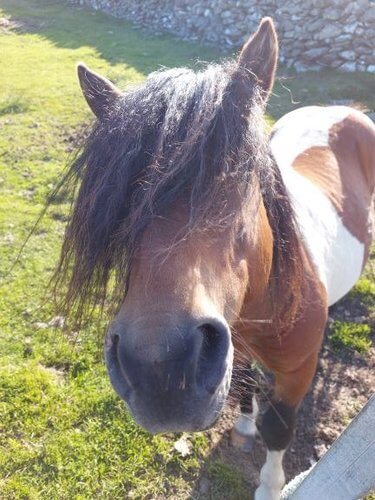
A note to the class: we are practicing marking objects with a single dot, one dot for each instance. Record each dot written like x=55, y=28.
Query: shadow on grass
x=115, y=40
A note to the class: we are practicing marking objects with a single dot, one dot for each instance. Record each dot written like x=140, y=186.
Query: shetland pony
x=206, y=234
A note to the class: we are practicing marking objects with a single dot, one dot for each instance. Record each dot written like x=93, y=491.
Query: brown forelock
x=345, y=172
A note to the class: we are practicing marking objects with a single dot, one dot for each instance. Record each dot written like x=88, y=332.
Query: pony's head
x=180, y=214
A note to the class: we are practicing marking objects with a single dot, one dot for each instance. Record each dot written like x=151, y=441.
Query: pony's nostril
x=115, y=367
x=211, y=340
x=115, y=339
x=212, y=359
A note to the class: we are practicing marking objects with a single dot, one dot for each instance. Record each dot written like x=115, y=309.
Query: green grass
x=227, y=483
x=356, y=336
x=349, y=335
x=63, y=432
x=365, y=291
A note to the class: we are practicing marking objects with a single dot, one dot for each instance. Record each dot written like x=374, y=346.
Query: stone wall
x=313, y=33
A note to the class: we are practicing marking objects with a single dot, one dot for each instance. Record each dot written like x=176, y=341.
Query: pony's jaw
x=170, y=396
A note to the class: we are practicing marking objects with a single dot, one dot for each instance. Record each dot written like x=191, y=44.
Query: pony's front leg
x=277, y=426
x=272, y=477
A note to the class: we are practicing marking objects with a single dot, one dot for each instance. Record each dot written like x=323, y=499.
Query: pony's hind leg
x=244, y=429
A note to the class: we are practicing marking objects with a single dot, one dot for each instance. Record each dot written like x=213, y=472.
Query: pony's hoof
x=241, y=441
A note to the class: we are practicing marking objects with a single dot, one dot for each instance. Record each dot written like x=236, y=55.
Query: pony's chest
x=337, y=255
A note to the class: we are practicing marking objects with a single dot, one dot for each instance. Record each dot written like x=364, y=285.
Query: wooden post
x=347, y=470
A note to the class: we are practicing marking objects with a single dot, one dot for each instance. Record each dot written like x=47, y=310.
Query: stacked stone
x=330, y=33
x=313, y=34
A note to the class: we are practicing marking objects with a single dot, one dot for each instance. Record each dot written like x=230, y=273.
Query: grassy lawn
x=63, y=432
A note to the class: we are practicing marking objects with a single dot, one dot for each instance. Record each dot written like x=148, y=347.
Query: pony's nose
x=192, y=358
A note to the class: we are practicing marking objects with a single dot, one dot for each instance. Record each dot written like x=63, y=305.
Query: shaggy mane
x=181, y=135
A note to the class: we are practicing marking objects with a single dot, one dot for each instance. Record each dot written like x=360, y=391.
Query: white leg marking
x=245, y=424
x=272, y=477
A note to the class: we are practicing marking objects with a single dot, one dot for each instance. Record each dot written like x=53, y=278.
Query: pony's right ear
x=259, y=55
x=99, y=92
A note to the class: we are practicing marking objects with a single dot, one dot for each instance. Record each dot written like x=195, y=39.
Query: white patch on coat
x=245, y=424
x=272, y=477
x=336, y=253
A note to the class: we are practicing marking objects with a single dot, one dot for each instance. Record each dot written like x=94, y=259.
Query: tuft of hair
x=181, y=135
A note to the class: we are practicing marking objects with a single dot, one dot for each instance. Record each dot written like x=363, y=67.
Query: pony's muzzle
x=176, y=381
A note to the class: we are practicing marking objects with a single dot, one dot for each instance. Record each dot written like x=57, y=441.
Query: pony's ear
x=99, y=92
x=259, y=55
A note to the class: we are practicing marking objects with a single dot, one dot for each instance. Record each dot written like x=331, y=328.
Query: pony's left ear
x=99, y=92
x=259, y=55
